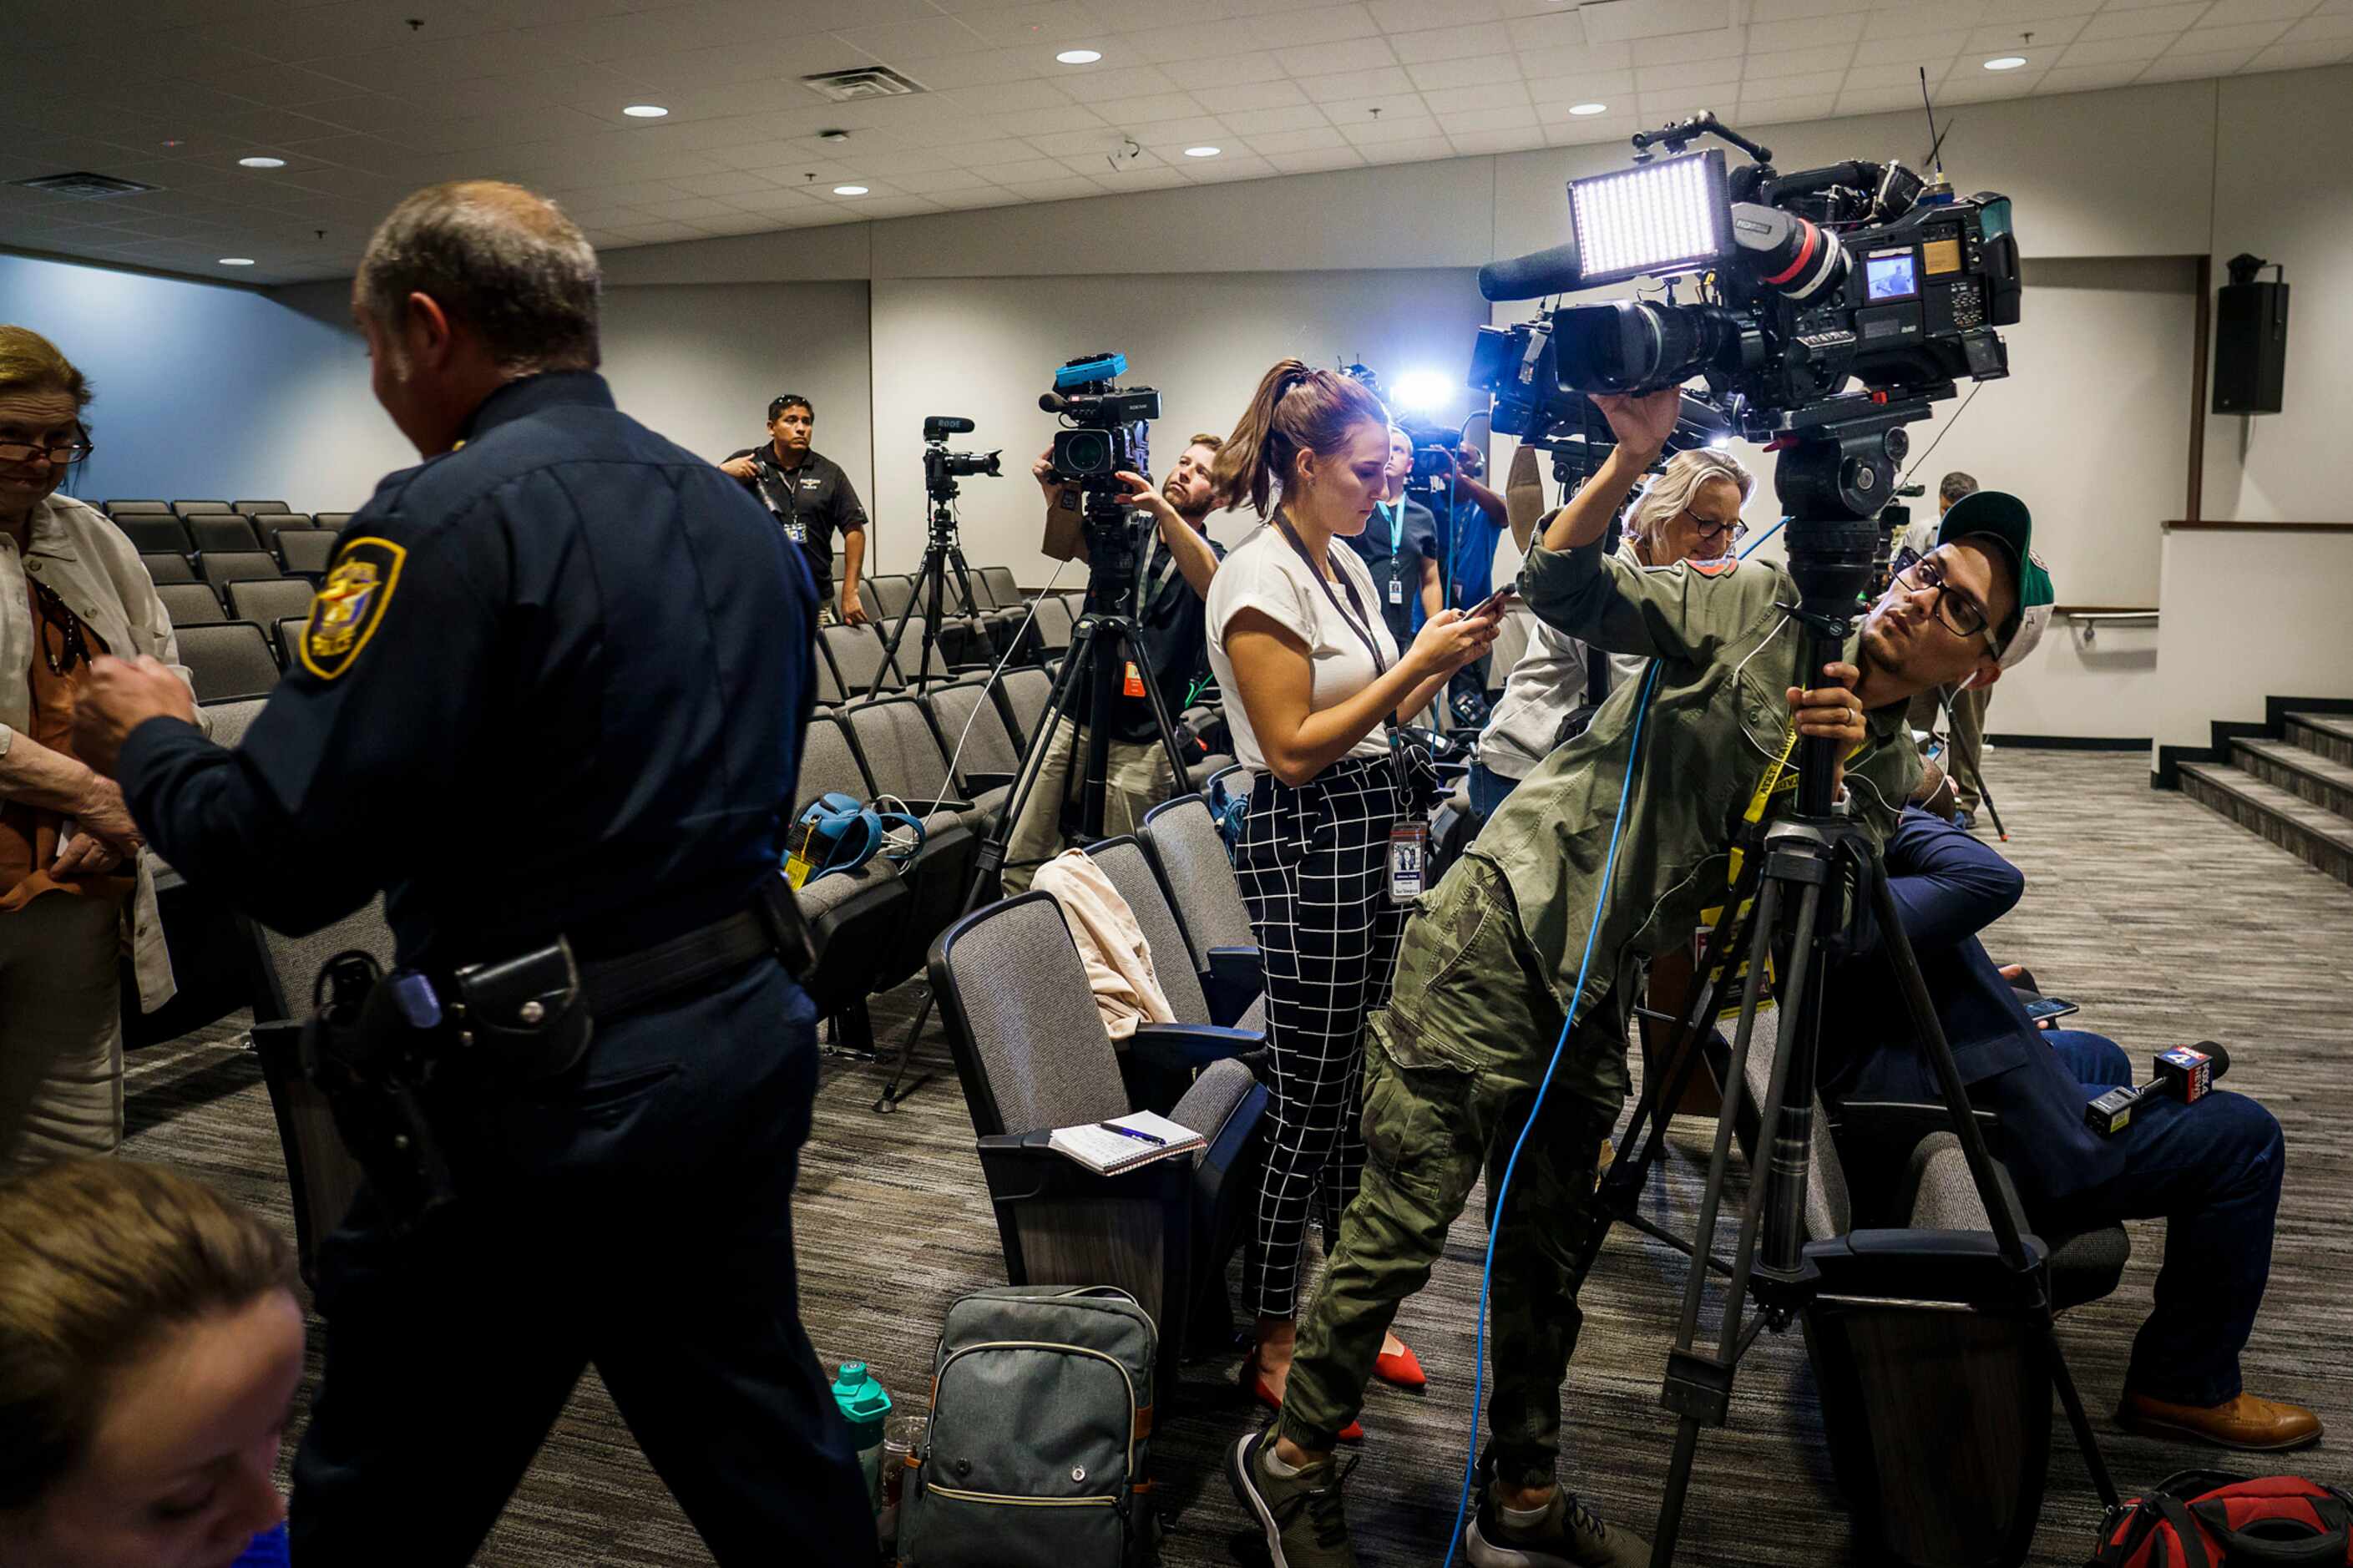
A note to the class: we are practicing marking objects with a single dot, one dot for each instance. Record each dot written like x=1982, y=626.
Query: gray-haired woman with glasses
x=73, y=892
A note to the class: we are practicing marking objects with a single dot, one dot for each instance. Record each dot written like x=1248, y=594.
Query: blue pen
x=1131, y=1132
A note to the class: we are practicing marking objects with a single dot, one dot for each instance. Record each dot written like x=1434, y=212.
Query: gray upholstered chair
x=1033, y=1055
x=228, y=661
x=1192, y=859
x=191, y=604
x=154, y=534
x=220, y=568
x=857, y=657
x=166, y=566
x=305, y=550
x=267, y=601
x=222, y=531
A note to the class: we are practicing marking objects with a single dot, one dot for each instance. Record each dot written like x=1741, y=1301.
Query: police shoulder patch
x=1722, y=566
x=350, y=606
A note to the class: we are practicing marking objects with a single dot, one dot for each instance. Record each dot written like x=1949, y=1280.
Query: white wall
x=2251, y=616
x=2287, y=144
x=986, y=347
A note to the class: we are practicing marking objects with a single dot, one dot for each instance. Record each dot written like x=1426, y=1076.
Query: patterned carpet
x=2165, y=921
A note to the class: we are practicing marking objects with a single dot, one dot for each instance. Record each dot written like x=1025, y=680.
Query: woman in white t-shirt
x=1312, y=679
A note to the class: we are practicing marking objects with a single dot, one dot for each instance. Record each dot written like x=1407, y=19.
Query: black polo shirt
x=814, y=500
x=1394, y=549
x=1172, y=623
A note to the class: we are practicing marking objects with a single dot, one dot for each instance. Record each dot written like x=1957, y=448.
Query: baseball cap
x=2002, y=519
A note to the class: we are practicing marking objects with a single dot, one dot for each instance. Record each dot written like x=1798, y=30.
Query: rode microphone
x=2186, y=1073
x=1558, y=270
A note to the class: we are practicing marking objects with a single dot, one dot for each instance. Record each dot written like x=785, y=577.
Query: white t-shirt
x=1265, y=574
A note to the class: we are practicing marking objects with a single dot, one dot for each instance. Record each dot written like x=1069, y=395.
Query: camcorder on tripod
x=943, y=552
x=1805, y=283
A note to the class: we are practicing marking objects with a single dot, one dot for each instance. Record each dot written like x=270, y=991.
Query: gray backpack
x=1041, y=1401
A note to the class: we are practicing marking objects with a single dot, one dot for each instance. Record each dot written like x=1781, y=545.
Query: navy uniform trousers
x=635, y=1216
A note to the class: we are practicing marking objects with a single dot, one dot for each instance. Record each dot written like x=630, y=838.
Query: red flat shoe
x=1400, y=1368
x=1254, y=1382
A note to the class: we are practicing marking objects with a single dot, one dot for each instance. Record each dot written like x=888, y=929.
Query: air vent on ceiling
x=866, y=81
x=84, y=186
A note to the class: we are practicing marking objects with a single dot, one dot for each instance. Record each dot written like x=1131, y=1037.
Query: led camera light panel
x=1668, y=217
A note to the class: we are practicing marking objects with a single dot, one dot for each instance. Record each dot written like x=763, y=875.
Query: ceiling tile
x=2086, y=52
x=1256, y=123
x=1366, y=132
x=1057, y=26
x=1569, y=59
x=1028, y=171
x=1471, y=71
x=1782, y=110
x=1813, y=32
x=2248, y=36
x=1163, y=45
x=1327, y=59
x=2299, y=56
x=2224, y=12
x=1354, y=86
x=1451, y=42
x=940, y=181
x=1312, y=139
x=1464, y=99
x=1193, y=75
x=1317, y=160
x=1067, y=188
x=1095, y=84
x=1503, y=117
x=1959, y=17
x=1564, y=90
x=2127, y=23
x=2086, y=79
x=1804, y=85
x=1722, y=44
x=907, y=44
x=1474, y=143
x=1318, y=28
x=2330, y=26
x=977, y=68
x=1068, y=143
x=1259, y=95
x=1696, y=73
x=1412, y=17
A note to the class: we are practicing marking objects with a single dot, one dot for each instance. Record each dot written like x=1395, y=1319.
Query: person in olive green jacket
x=1493, y=954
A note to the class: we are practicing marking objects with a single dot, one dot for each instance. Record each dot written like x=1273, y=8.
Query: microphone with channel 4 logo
x=2186, y=1073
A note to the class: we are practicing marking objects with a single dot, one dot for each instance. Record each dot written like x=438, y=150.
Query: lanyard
x=1358, y=623
x=1396, y=519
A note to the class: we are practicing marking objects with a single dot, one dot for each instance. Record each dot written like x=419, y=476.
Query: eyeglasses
x=61, y=457
x=70, y=648
x=1709, y=532
x=1962, y=616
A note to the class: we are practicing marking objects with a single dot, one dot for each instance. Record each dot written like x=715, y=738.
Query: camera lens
x=1083, y=451
x=1634, y=345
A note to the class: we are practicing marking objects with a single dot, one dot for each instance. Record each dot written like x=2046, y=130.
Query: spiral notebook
x=1142, y=1138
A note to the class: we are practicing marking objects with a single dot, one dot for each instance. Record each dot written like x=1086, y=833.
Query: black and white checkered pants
x=1313, y=867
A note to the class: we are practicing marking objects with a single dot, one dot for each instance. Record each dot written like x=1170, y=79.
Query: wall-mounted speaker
x=2250, y=341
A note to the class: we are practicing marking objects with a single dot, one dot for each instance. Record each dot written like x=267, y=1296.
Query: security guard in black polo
x=812, y=499
x=554, y=685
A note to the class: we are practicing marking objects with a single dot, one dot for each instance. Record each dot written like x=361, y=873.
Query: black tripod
x=942, y=555
x=1104, y=650
x=1798, y=877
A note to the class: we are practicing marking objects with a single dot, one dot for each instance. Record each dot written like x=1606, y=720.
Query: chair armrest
x=1191, y=1045
x=1236, y=976
x=981, y=784
x=1025, y=1167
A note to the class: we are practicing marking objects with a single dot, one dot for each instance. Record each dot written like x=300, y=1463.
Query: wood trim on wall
x=2194, y=504
x=2192, y=525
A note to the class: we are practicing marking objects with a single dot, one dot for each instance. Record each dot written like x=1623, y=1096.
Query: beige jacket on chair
x=1118, y=959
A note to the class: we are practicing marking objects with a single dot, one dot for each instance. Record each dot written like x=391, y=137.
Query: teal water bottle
x=866, y=1407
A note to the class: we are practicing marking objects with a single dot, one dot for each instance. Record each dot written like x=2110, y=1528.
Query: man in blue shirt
x=554, y=685
x=2212, y=1170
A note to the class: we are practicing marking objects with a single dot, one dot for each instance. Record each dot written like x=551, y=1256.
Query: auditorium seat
x=267, y=602
x=1123, y=860
x=1195, y=869
x=857, y=655
x=191, y=604
x=907, y=754
x=223, y=567
x=306, y=552
x=228, y=661
x=225, y=533
x=154, y=533
x=188, y=509
x=894, y=739
x=890, y=596
x=858, y=917
x=136, y=508
x=258, y=507
x=1026, y=693
x=979, y=739
x=227, y=722
x=163, y=568
x=288, y=632
x=1032, y=1055
x=1002, y=587
x=334, y=520
x=1054, y=622
x=269, y=525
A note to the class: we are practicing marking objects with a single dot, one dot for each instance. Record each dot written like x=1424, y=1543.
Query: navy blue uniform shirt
x=555, y=683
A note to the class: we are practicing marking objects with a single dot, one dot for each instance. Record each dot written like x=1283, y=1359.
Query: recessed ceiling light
x=1589, y=109
x=644, y=112
x=1203, y=152
x=2005, y=62
x=263, y=162
x=850, y=190
x=1079, y=56
x=236, y=261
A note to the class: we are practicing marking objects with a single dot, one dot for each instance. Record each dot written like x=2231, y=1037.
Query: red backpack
x=2211, y=1519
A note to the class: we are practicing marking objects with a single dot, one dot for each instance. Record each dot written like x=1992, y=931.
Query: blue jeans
x=1488, y=790
x=2213, y=1171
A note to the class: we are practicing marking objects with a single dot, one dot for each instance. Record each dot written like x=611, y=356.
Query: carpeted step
x=2312, y=834
x=2322, y=780
x=2329, y=734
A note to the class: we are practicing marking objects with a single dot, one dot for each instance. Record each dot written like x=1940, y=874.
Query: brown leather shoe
x=2246, y=1422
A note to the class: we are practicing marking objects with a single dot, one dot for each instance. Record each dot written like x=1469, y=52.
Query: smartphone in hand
x=1497, y=603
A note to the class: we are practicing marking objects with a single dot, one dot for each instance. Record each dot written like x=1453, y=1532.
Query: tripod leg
x=1132, y=645
x=898, y=633
x=2086, y=1439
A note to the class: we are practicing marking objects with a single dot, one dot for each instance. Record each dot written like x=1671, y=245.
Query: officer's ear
x=425, y=333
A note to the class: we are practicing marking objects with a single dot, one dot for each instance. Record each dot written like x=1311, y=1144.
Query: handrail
x=2088, y=621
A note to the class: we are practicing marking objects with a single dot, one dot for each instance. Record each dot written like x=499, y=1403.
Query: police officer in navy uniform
x=554, y=685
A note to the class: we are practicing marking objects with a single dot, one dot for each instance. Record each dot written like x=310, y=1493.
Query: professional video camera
x=1854, y=272
x=1104, y=434
x=943, y=468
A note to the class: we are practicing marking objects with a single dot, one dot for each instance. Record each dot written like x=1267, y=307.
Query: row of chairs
x=275, y=533
x=187, y=510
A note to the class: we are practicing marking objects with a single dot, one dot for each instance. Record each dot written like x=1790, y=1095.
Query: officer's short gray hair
x=1955, y=485
x=1673, y=491
x=497, y=259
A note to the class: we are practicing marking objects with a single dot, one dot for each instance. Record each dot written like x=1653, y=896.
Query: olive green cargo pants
x=1452, y=1067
